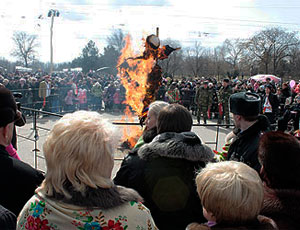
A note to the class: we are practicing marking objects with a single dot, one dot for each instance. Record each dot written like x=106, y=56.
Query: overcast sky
x=209, y=22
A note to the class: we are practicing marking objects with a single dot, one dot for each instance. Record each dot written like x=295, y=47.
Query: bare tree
x=25, y=47
x=174, y=63
x=116, y=40
x=193, y=58
x=294, y=63
x=218, y=62
x=233, y=51
x=271, y=46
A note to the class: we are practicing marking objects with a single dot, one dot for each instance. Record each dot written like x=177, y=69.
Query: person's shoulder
x=25, y=171
x=130, y=215
x=135, y=209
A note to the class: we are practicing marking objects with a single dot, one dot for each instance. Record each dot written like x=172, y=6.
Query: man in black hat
x=249, y=125
x=18, y=180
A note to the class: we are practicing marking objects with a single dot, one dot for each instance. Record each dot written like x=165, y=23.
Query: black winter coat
x=245, y=146
x=18, y=182
x=163, y=173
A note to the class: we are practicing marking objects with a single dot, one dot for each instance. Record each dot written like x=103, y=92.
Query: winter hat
x=8, y=107
x=245, y=104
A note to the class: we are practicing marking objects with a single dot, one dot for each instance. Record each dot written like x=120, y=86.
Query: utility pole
x=52, y=13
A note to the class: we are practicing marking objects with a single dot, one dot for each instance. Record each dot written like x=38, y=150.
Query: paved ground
x=26, y=147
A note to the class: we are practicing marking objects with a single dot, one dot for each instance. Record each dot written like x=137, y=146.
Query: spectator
x=117, y=101
x=280, y=160
x=173, y=94
x=271, y=84
x=18, y=179
x=97, y=96
x=161, y=92
x=128, y=170
x=203, y=99
x=214, y=107
x=54, y=99
x=232, y=196
x=22, y=88
x=165, y=176
x=285, y=93
x=44, y=92
x=77, y=192
x=34, y=87
x=70, y=102
x=295, y=113
x=270, y=104
x=187, y=96
x=223, y=98
x=82, y=97
x=249, y=126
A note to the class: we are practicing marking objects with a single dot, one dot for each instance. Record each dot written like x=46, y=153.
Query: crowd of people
x=170, y=179
x=207, y=98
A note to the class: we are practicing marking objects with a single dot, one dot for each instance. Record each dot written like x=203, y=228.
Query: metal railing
x=36, y=127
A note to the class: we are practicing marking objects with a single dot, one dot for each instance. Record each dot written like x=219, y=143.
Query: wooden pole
x=157, y=31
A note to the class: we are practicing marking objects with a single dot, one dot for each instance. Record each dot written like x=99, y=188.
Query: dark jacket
x=273, y=99
x=164, y=177
x=130, y=167
x=18, y=182
x=245, y=145
x=283, y=206
x=285, y=93
x=261, y=223
x=8, y=220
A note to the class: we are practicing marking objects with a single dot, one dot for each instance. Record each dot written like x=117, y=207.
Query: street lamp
x=52, y=13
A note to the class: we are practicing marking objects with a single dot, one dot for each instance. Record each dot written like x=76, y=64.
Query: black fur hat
x=8, y=107
x=245, y=104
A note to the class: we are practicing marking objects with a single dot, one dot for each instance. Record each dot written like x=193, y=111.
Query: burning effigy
x=141, y=76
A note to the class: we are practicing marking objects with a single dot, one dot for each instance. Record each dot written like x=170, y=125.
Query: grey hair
x=157, y=106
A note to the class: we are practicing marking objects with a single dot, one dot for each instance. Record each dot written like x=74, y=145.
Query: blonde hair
x=79, y=150
x=231, y=191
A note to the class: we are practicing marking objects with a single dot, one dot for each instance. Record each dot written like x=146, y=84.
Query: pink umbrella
x=263, y=77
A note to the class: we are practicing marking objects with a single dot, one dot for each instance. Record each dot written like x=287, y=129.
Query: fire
x=133, y=76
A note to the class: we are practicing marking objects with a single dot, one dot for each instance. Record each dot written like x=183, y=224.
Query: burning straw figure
x=155, y=52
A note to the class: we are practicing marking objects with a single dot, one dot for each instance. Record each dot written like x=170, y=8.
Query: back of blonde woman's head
x=78, y=150
x=231, y=190
x=157, y=106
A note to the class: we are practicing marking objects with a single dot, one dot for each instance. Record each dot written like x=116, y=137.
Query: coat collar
x=262, y=124
x=104, y=198
x=186, y=145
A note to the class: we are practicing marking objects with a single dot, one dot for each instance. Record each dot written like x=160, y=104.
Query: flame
x=134, y=78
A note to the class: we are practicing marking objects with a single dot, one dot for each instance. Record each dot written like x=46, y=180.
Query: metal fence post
x=217, y=137
x=36, y=137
